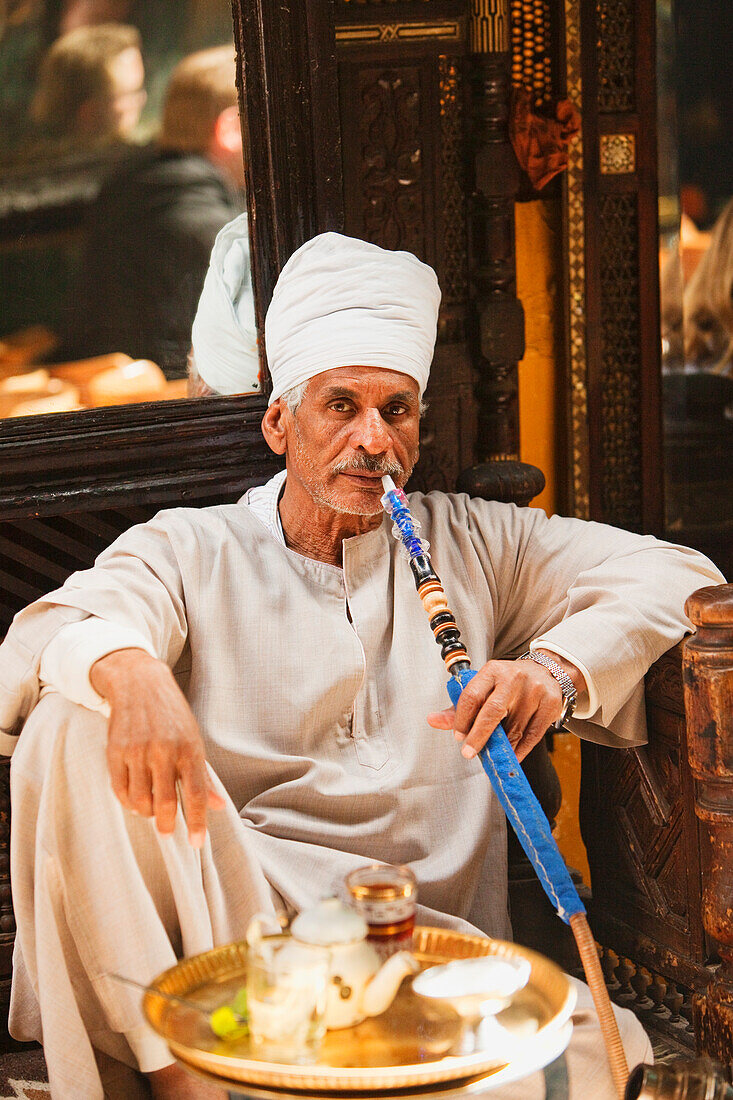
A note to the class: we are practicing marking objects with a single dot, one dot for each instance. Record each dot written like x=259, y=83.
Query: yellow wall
x=539, y=275
x=539, y=267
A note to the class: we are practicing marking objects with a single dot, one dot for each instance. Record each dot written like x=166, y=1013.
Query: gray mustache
x=369, y=464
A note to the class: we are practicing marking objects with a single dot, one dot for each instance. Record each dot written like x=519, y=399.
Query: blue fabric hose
x=524, y=812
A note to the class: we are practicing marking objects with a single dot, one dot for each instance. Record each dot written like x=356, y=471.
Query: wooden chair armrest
x=708, y=690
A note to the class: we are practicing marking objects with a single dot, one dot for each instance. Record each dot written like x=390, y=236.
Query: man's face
x=127, y=96
x=353, y=425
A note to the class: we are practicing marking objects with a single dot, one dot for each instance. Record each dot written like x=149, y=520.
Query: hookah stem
x=500, y=763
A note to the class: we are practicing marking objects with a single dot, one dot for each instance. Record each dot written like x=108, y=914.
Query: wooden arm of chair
x=708, y=688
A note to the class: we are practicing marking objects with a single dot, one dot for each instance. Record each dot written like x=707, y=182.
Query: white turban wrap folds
x=342, y=302
x=224, y=333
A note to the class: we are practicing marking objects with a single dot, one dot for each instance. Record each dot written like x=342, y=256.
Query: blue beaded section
x=395, y=504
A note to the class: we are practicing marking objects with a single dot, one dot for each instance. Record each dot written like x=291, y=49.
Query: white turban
x=224, y=334
x=341, y=302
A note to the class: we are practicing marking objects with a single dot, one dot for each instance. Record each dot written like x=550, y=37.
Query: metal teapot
x=360, y=984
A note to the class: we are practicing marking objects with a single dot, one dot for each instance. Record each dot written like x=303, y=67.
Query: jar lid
x=328, y=923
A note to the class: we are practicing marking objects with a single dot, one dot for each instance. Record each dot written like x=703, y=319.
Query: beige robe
x=314, y=723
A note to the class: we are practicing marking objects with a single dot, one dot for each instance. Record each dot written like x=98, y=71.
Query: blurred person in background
x=708, y=302
x=150, y=233
x=90, y=91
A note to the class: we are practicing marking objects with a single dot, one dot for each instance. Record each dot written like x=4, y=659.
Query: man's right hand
x=154, y=742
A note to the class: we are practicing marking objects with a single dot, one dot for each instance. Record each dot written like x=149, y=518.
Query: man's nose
x=370, y=433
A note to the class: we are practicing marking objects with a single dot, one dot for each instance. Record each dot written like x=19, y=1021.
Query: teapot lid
x=327, y=923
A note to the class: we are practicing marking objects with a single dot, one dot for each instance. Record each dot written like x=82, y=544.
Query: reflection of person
x=281, y=641
x=708, y=301
x=150, y=232
x=224, y=358
x=90, y=86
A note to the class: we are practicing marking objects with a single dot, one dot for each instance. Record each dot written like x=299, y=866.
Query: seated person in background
x=150, y=232
x=708, y=302
x=270, y=659
x=90, y=89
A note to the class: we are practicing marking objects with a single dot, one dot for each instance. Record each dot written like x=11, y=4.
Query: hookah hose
x=500, y=763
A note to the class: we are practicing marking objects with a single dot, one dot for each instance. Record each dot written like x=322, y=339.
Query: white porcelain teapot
x=360, y=985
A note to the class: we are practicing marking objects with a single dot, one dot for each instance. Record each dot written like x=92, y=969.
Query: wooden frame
x=72, y=481
x=160, y=453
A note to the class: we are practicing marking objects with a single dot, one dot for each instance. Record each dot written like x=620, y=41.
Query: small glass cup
x=386, y=896
x=287, y=988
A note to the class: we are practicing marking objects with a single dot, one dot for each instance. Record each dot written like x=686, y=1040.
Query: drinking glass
x=287, y=986
x=386, y=896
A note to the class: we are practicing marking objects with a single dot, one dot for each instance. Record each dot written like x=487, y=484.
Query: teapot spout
x=382, y=989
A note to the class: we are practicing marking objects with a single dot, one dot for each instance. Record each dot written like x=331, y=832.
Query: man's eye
x=396, y=410
x=340, y=406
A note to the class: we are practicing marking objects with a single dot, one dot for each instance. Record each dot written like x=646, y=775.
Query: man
x=91, y=88
x=150, y=232
x=271, y=661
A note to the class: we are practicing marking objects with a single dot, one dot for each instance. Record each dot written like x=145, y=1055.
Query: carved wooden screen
x=615, y=458
x=647, y=855
x=403, y=153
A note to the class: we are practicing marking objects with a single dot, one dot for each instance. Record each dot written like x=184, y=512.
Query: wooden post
x=498, y=318
x=708, y=686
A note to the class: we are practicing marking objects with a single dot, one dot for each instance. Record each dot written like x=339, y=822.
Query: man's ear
x=228, y=132
x=274, y=427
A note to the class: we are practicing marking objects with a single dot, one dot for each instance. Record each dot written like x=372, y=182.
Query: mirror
x=695, y=151
x=121, y=160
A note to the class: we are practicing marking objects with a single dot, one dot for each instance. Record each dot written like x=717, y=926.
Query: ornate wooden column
x=708, y=680
x=498, y=318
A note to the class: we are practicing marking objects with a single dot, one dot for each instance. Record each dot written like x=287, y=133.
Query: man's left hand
x=523, y=695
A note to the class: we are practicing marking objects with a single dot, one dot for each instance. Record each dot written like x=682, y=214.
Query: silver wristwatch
x=567, y=687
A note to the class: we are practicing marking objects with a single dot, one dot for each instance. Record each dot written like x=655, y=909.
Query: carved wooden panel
x=647, y=854
x=622, y=347
x=404, y=186
x=388, y=205
x=616, y=55
x=452, y=195
x=620, y=397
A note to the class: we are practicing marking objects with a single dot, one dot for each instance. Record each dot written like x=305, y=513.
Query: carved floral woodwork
x=708, y=686
x=648, y=860
x=391, y=160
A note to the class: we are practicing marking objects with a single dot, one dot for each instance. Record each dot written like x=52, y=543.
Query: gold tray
x=411, y=1045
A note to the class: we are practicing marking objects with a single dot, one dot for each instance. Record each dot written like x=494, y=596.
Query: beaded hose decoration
x=500, y=763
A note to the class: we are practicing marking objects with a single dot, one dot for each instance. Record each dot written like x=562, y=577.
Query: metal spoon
x=235, y=1021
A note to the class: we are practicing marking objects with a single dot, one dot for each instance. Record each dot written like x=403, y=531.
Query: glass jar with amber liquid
x=386, y=896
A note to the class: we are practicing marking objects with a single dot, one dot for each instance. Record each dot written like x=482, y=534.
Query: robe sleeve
x=610, y=600
x=135, y=587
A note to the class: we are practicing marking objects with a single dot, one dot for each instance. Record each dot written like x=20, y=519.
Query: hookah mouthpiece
x=429, y=588
x=405, y=528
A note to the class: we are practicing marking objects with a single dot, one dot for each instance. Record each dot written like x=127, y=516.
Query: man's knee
x=62, y=735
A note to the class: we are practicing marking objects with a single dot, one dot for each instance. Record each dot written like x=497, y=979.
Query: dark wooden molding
x=164, y=453
x=498, y=314
x=289, y=92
